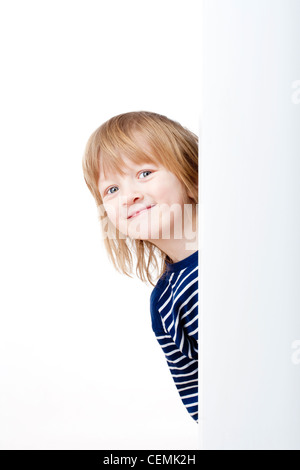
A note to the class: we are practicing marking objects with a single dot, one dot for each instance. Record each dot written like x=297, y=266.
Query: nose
x=133, y=198
x=132, y=194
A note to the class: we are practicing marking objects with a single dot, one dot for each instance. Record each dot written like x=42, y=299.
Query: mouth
x=141, y=211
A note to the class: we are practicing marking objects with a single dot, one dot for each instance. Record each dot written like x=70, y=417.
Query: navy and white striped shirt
x=174, y=316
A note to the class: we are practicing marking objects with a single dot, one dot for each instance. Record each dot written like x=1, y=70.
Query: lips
x=141, y=210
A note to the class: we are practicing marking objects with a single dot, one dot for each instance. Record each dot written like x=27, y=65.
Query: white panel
x=250, y=230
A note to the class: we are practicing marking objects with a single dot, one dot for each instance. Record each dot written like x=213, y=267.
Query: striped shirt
x=174, y=316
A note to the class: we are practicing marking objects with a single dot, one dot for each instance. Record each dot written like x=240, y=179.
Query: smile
x=140, y=212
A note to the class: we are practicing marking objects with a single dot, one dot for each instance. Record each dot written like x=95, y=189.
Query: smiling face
x=147, y=187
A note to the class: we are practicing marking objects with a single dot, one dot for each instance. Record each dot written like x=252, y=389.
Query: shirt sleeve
x=183, y=361
x=184, y=372
x=175, y=324
x=184, y=327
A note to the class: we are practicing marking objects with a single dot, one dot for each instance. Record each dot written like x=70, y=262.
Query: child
x=154, y=218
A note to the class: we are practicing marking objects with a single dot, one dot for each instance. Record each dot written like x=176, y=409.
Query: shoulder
x=155, y=297
x=159, y=288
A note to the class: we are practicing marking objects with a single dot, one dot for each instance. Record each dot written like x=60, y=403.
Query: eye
x=107, y=191
x=112, y=187
x=146, y=171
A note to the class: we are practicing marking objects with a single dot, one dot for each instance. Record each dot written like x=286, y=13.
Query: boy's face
x=151, y=189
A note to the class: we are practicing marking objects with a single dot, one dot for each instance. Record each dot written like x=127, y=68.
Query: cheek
x=172, y=195
x=112, y=213
x=166, y=193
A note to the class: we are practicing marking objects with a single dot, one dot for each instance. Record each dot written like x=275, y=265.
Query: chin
x=139, y=236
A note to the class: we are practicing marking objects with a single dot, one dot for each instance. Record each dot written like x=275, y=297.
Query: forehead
x=107, y=174
x=121, y=158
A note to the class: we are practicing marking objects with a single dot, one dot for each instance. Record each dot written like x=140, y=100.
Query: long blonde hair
x=172, y=145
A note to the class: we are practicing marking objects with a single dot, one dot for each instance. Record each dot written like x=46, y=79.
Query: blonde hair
x=172, y=145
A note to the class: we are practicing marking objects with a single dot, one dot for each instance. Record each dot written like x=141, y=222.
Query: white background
x=80, y=367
